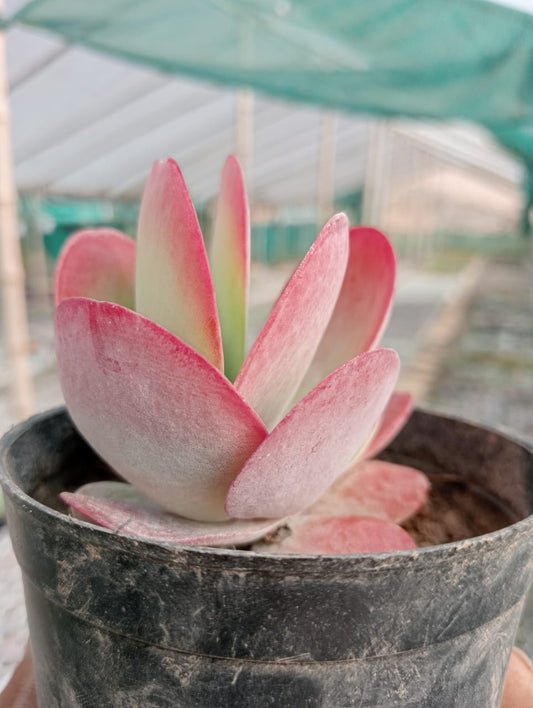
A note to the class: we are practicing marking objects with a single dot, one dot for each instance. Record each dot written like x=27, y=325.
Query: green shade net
x=467, y=59
x=461, y=58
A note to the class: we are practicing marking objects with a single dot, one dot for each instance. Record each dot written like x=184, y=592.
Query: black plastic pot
x=119, y=622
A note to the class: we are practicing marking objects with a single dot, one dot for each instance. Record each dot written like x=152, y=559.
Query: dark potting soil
x=455, y=511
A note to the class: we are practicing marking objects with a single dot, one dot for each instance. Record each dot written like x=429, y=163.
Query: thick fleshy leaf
x=394, y=417
x=97, y=263
x=375, y=488
x=173, y=283
x=230, y=264
x=278, y=360
x=363, y=306
x=160, y=414
x=342, y=534
x=315, y=443
x=139, y=518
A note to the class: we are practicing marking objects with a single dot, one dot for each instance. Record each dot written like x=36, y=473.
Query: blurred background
x=415, y=117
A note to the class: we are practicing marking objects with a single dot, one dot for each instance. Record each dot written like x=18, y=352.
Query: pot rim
x=167, y=552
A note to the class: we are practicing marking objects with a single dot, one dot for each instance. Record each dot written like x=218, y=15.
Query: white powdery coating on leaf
x=161, y=415
x=343, y=534
x=279, y=358
x=316, y=442
x=378, y=489
x=155, y=524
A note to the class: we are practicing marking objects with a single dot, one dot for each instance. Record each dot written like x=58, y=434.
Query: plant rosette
x=218, y=447
x=271, y=451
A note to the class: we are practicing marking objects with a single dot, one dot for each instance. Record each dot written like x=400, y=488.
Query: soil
x=455, y=511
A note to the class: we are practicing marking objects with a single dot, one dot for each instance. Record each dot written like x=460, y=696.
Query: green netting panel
x=59, y=218
x=273, y=243
x=421, y=58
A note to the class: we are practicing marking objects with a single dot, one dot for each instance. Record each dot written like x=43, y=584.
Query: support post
x=375, y=174
x=15, y=324
x=326, y=166
x=245, y=133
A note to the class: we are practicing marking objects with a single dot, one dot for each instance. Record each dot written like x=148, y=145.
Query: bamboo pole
x=15, y=325
x=245, y=132
x=326, y=166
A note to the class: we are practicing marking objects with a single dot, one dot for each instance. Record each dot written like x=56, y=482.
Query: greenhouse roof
x=101, y=89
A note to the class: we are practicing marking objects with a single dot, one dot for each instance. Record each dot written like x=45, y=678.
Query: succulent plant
x=219, y=447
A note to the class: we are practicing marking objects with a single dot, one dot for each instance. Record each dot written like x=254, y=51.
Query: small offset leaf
x=97, y=263
x=316, y=442
x=343, y=534
x=138, y=518
x=394, y=417
x=230, y=264
x=375, y=488
x=363, y=306
x=278, y=360
x=161, y=415
x=173, y=283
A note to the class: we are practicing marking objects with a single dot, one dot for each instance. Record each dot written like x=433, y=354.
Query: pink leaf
x=173, y=281
x=376, y=488
x=363, y=306
x=97, y=263
x=317, y=440
x=277, y=362
x=394, y=417
x=135, y=518
x=230, y=264
x=343, y=534
x=160, y=414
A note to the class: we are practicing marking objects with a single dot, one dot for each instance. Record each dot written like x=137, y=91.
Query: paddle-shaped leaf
x=363, y=306
x=160, y=414
x=230, y=264
x=173, y=283
x=315, y=443
x=375, y=488
x=277, y=362
x=126, y=511
x=342, y=534
x=392, y=421
x=97, y=263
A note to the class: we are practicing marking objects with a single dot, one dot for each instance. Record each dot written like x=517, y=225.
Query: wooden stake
x=15, y=325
